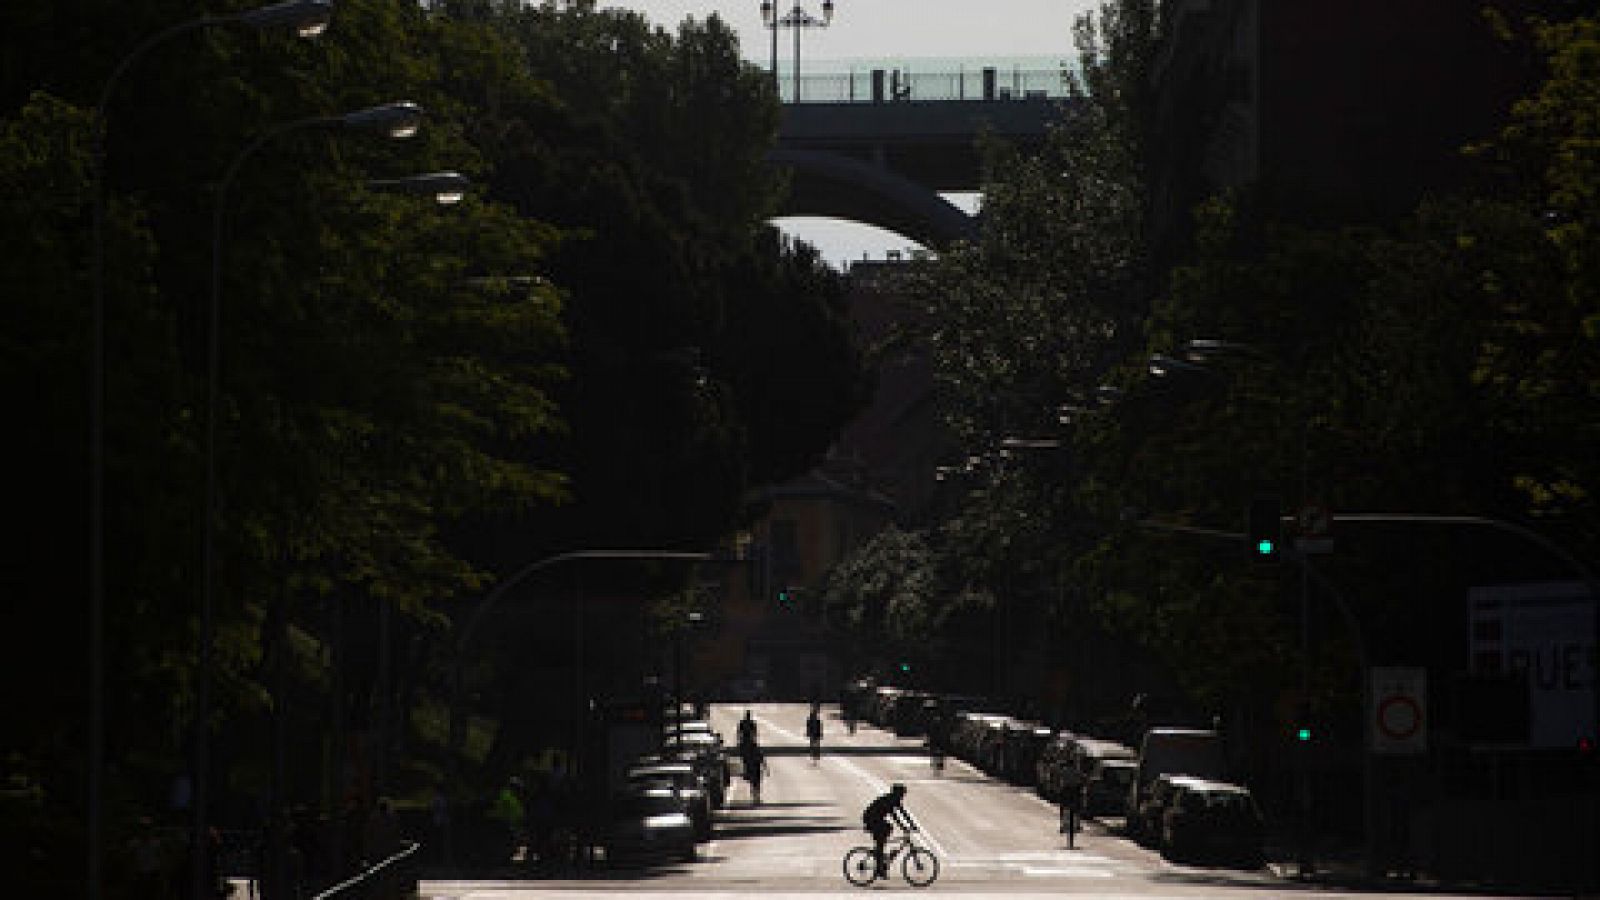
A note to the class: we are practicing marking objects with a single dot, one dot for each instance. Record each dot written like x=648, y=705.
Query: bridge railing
x=891, y=85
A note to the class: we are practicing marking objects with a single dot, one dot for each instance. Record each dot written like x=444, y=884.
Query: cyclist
x=814, y=734
x=879, y=818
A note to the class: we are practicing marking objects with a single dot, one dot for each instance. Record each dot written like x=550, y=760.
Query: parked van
x=1176, y=751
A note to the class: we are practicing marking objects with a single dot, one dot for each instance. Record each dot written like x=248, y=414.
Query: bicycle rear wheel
x=860, y=866
x=920, y=867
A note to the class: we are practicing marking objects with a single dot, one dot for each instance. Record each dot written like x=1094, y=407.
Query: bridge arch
x=842, y=187
x=885, y=163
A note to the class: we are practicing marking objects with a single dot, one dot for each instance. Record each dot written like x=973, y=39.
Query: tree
x=708, y=357
x=367, y=398
x=1031, y=315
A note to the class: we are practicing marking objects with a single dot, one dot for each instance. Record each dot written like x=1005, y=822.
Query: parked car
x=686, y=783
x=855, y=699
x=708, y=760
x=1145, y=821
x=1105, y=792
x=1024, y=741
x=646, y=825
x=671, y=731
x=1212, y=820
x=1049, y=769
x=906, y=716
x=971, y=733
x=1196, y=752
x=884, y=700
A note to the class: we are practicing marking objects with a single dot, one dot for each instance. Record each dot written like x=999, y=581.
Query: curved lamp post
x=457, y=724
x=795, y=19
x=395, y=120
x=308, y=18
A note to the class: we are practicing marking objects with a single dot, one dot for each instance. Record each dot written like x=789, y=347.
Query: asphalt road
x=992, y=838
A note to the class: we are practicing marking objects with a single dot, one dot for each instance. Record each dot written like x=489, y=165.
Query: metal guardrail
x=388, y=879
x=991, y=83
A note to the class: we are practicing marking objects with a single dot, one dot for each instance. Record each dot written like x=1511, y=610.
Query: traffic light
x=786, y=598
x=1303, y=734
x=905, y=668
x=1265, y=529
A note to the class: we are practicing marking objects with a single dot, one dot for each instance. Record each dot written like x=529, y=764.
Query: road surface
x=992, y=838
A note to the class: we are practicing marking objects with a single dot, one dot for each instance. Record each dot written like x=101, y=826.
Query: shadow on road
x=769, y=819
x=839, y=750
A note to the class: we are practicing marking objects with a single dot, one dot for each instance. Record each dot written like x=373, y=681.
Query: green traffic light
x=905, y=667
x=1304, y=734
x=1264, y=547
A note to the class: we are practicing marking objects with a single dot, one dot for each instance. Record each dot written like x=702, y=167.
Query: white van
x=1177, y=751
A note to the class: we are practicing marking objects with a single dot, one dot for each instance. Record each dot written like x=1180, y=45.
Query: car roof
x=661, y=768
x=1106, y=746
x=1184, y=780
x=1208, y=786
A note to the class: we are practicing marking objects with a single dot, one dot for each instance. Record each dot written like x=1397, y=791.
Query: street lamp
x=446, y=188
x=795, y=19
x=395, y=120
x=308, y=18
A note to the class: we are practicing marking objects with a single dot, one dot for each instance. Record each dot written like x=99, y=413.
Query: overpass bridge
x=879, y=147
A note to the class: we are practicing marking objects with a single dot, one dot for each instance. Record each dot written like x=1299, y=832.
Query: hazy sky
x=892, y=29
x=911, y=28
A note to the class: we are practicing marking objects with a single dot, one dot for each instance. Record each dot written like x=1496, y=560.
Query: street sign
x=1545, y=632
x=1397, y=709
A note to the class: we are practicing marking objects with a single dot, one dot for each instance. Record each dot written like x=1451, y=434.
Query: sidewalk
x=1344, y=867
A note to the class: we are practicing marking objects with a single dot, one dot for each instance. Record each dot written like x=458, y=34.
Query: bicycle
x=919, y=866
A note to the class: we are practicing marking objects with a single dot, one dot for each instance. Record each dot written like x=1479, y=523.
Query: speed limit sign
x=1397, y=710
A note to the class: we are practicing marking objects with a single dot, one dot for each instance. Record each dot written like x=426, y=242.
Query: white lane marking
x=877, y=785
x=1065, y=872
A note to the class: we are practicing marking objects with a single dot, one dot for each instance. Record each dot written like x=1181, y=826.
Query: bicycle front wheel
x=920, y=867
x=860, y=866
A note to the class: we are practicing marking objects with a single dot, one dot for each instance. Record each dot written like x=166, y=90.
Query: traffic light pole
x=1309, y=574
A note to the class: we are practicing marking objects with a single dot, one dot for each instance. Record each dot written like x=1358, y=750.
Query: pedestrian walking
x=755, y=767
x=509, y=811
x=814, y=735
x=747, y=730
x=1071, y=804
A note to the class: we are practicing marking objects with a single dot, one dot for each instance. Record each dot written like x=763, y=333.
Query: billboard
x=1545, y=632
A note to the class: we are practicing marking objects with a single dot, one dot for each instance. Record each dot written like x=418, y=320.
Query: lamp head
x=308, y=18
x=446, y=188
x=827, y=11
x=398, y=120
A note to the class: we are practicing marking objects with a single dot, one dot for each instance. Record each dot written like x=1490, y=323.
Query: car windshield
x=1231, y=804
x=1117, y=774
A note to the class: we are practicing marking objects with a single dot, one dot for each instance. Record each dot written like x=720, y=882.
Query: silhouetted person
x=747, y=730
x=879, y=819
x=755, y=766
x=1071, y=803
x=814, y=735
